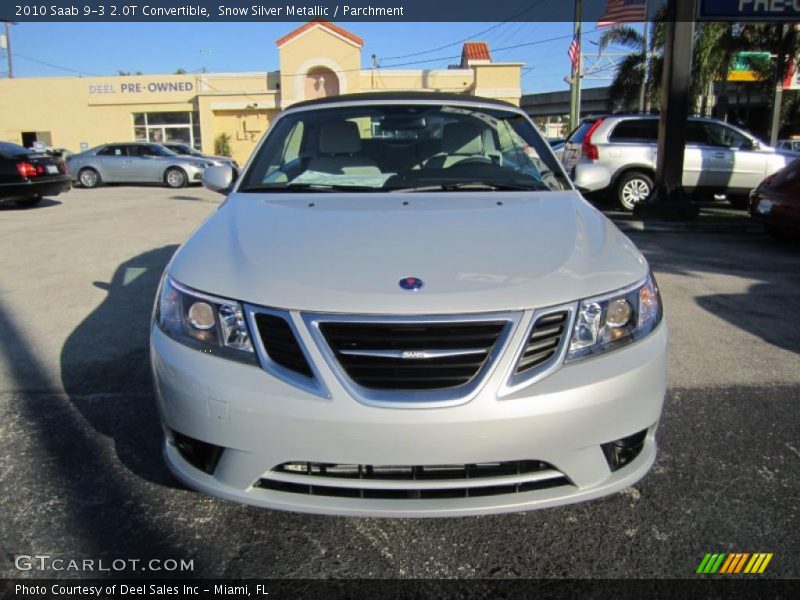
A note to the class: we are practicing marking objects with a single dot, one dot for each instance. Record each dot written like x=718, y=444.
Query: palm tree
x=711, y=56
x=629, y=76
x=714, y=48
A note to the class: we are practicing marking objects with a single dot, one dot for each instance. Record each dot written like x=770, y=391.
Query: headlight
x=213, y=325
x=610, y=321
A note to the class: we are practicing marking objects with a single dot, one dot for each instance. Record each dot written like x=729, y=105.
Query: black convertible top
x=409, y=97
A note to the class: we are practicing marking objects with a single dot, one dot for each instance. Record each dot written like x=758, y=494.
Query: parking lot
x=80, y=461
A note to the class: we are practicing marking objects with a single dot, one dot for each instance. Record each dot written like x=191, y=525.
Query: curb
x=669, y=227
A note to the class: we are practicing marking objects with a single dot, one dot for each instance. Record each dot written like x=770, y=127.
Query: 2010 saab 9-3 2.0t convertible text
x=405, y=308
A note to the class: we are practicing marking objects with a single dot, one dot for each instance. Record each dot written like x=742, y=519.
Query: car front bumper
x=261, y=422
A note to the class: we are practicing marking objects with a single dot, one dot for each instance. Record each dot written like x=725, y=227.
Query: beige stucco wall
x=317, y=47
x=99, y=110
x=499, y=80
x=236, y=117
x=73, y=114
x=435, y=80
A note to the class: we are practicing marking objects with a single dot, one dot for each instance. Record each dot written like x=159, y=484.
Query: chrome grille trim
x=413, y=398
x=312, y=384
x=417, y=484
x=368, y=482
x=515, y=381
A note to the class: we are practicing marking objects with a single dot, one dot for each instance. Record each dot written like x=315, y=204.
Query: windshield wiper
x=308, y=187
x=471, y=185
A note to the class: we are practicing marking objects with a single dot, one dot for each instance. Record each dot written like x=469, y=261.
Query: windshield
x=404, y=148
x=183, y=149
x=154, y=150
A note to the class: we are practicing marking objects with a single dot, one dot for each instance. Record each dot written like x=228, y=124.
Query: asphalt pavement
x=81, y=474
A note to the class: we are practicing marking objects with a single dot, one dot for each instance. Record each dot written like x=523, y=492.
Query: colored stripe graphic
x=711, y=563
x=734, y=563
x=758, y=563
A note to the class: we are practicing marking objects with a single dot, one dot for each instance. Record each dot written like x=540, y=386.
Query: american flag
x=574, y=52
x=623, y=11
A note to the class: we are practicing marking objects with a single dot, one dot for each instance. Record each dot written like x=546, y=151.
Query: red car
x=776, y=202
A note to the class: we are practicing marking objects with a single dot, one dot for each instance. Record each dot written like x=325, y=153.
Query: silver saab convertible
x=405, y=308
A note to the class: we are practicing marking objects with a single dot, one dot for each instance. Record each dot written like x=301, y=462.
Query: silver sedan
x=134, y=162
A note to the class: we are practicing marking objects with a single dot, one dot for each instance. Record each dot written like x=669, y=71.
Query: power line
x=468, y=38
x=42, y=62
x=404, y=64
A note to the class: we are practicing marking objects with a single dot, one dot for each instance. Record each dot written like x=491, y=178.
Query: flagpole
x=575, y=88
x=646, y=38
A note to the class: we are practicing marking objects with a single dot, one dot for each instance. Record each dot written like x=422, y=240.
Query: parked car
x=187, y=150
x=776, y=202
x=719, y=158
x=135, y=162
x=404, y=308
x=26, y=177
x=792, y=145
x=558, y=145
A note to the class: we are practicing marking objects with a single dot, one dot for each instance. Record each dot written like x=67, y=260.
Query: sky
x=70, y=49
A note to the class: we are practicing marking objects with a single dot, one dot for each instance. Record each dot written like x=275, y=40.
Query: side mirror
x=591, y=178
x=218, y=179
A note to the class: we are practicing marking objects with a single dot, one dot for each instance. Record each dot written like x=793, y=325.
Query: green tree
x=222, y=144
x=715, y=46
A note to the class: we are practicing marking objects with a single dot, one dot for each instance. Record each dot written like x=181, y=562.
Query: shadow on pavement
x=105, y=366
x=765, y=309
x=45, y=203
x=93, y=504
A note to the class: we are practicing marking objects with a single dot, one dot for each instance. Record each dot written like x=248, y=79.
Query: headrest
x=462, y=138
x=339, y=138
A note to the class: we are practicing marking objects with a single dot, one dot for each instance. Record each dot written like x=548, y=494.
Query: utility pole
x=646, y=62
x=8, y=49
x=669, y=199
x=780, y=71
x=575, y=88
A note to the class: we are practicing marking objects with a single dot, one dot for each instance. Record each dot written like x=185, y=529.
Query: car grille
x=281, y=344
x=412, y=356
x=543, y=342
x=412, y=482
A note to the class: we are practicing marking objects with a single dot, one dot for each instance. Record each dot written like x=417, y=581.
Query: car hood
x=474, y=251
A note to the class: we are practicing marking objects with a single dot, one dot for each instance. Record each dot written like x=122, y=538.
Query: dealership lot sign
x=748, y=10
x=152, y=87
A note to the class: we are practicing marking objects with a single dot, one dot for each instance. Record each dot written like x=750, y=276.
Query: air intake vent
x=544, y=341
x=281, y=344
x=412, y=356
x=412, y=482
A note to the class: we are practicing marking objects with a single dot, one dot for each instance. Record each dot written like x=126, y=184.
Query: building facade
x=316, y=60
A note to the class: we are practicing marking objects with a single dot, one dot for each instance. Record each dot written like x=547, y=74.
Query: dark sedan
x=27, y=176
x=776, y=202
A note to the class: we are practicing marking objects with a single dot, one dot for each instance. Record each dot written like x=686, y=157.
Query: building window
x=167, y=127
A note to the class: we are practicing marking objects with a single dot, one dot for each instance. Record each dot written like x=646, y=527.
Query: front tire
x=175, y=177
x=28, y=202
x=633, y=188
x=89, y=178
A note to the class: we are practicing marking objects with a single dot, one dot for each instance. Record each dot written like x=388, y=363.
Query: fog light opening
x=201, y=455
x=623, y=451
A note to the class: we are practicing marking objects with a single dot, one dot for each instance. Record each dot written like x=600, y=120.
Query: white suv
x=719, y=158
x=404, y=308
